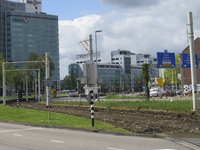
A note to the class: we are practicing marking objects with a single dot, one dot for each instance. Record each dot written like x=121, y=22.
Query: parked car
x=178, y=92
x=73, y=95
x=156, y=92
x=82, y=95
x=143, y=94
x=126, y=92
x=102, y=94
x=169, y=92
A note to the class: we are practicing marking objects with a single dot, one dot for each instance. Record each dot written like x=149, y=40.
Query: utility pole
x=90, y=79
x=192, y=61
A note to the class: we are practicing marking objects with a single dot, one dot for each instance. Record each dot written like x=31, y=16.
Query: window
x=117, y=58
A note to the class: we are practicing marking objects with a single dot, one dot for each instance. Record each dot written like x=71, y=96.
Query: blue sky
x=70, y=9
x=141, y=26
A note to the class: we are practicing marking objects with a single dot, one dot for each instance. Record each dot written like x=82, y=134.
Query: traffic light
x=135, y=81
x=142, y=81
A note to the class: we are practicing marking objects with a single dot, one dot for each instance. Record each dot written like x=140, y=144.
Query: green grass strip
x=181, y=105
x=56, y=119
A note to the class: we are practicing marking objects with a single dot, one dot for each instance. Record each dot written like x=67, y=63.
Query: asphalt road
x=20, y=137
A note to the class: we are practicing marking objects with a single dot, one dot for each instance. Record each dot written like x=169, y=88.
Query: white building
x=124, y=58
x=32, y=6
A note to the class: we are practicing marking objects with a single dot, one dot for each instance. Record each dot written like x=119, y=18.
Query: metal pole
x=36, y=88
x=92, y=107
x=17, y=101
x=90, y=48
x=59, y=89
x=39, y=84
x=46, y=68
x=192, y=61
x=4, y=84
x=26, y=88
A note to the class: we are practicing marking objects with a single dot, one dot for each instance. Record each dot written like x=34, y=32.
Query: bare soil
x=136, y=121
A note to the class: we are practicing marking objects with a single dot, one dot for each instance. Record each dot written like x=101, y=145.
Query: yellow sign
x=52, y=91
x=160, y=82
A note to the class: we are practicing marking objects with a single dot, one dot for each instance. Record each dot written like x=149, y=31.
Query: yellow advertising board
x=160, y=82
x=122, y=87
x=52, y=91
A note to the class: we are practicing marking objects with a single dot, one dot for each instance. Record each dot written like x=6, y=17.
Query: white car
x=156, y=92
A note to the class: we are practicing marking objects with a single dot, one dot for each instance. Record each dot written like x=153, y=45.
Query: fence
x=155, y=103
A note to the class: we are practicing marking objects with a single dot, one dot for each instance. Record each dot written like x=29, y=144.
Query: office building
x=129, y=67
x=25, y=29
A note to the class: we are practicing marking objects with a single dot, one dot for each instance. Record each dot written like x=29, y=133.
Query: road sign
x=48, y=82
x=186, y=60
x=166, y=60
x=160, y=82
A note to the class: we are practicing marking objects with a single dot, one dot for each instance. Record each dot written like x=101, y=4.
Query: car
x=169, y=92
x=82, y=95
x=73, y=95
x=156, y=92
x=102, y=94
x=178, y=92
x=143, y=94
x=126, y=92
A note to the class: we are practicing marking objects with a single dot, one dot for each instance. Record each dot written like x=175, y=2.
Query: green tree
x=41, y=66
x=69, y=82
x=146, y=78
x=9, y=75
x=171, y=74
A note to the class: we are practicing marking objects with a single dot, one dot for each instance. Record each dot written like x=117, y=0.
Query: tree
x=171, y=74
x=69, y=82
x=41, y=66
x=146, y=78
x=10, y=76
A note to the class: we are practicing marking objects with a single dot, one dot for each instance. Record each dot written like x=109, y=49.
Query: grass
x=114, y=96
x=24, y=96
x=181, y=105
x=42, y=118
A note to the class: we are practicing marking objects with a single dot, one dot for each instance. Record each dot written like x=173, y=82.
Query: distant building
x=128, y=63
x=186, y=72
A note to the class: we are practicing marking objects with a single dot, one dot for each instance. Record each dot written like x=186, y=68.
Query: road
x=20, y=137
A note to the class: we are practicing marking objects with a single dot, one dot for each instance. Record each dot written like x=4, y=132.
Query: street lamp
x=96, y=59
x=96, y=44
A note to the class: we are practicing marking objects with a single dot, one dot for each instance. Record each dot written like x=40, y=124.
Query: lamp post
x=96, y=58
x=96, y=44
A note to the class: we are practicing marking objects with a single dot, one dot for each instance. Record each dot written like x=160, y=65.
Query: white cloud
x=129, y=3
x=161, y=26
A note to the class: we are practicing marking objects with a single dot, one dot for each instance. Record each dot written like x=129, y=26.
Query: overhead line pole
x=192, y=61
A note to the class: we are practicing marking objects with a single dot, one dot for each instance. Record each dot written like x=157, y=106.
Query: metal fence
x=156, y=103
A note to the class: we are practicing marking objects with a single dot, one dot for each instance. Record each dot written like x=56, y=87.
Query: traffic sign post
x=166, y=60
x=48, y=82
x=186, y=60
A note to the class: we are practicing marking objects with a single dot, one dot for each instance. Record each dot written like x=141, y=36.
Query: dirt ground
x=137, y=121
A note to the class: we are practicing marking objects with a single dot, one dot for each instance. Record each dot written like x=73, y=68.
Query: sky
x=141, y=26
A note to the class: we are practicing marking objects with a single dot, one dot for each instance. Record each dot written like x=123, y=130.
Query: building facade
x=25, y=30
x=186, y=72
x=129, y=65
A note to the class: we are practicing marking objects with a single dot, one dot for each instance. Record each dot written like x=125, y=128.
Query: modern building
x=186, y=80
x=25, y=29
x=74, y=68
x=129, y=65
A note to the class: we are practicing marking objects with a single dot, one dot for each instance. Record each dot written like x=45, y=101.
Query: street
x=20, y=137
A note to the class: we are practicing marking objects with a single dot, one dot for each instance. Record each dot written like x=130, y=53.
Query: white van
x=156, y=92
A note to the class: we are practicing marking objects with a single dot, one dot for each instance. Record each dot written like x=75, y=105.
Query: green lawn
x=42, y=118
x=180, y=105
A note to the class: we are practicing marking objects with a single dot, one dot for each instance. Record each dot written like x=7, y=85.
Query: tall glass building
x=32, y=33
x=25, y=30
